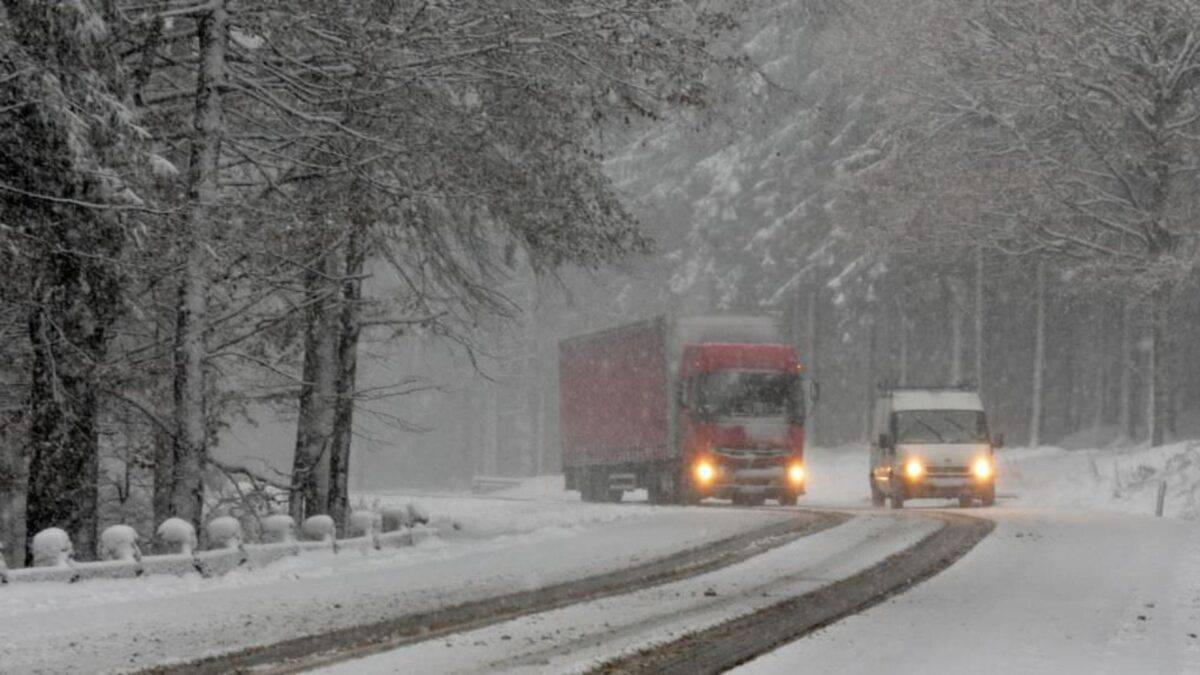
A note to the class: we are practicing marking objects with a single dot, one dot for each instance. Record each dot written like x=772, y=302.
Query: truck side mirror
x=884, y=441
x=998, y=441
x=816, y=391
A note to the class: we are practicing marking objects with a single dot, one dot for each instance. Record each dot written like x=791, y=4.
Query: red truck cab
x=741, y=421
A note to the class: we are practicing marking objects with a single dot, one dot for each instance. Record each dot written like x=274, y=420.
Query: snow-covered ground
x=1047, y=592
x=501, y=545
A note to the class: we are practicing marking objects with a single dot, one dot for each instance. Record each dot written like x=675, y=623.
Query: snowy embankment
x=486, y=547
x=1120, y=479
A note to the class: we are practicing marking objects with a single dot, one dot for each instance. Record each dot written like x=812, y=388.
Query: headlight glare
x=796, y=473
x=982, y=468
x=914, y=469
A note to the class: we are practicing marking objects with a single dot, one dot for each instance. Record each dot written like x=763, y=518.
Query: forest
x=368, y=223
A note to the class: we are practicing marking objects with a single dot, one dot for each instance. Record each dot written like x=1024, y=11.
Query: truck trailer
x=687, y=408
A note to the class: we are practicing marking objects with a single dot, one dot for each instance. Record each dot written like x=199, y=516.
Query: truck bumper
x=766, y=482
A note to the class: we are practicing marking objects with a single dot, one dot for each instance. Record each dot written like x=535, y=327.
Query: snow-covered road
x=581, y=636
x=1047, y=592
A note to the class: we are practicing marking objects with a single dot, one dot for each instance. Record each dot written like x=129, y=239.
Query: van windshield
x=940, y=426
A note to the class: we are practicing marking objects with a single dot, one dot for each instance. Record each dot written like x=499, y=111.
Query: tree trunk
x=811, y=346
x=350, y=329
x=318, y=392
x=1125, y=383
x=74, y=304
x=1159, y=375
x=979, y=316
x=953, y=304
x=14, y=485
x=191, y=323
x=1039, y=356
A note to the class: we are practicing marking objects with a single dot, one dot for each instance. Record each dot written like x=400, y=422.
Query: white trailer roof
x=936, y=400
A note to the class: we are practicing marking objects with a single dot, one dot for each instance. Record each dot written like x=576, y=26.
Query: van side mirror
x=998, y=441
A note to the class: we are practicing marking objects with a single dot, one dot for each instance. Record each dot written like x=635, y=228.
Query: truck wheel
x=661, y=488
x=897, y=502
x=615, y=496
x=587, y=487
x=683, y=492
x=755, y=499
x=877, y=497
x=787, y=498
x=965, y=501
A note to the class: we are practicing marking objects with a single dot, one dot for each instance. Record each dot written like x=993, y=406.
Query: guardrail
x=210, y=563
x=484, y=484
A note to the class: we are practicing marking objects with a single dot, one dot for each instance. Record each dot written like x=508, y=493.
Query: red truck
x=686, y=408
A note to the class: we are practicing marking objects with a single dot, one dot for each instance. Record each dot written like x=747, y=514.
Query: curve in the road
x=729, y=644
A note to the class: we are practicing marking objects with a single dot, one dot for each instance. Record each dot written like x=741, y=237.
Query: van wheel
x=877, y=496
x=988, y=498
x=897, y=502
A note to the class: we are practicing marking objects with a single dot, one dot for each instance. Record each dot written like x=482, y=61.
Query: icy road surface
x=582, y=636
x=502, y=546
x=1047, y=592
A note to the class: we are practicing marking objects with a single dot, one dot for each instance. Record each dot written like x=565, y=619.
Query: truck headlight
x=796, y=473
x=705, y=472
x=914, y=469
x=982, y=468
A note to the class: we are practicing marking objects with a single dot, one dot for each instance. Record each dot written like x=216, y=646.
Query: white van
x=932, y=443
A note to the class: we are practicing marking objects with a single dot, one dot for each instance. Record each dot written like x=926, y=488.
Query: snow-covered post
x=1161, y=499
x=120, y=542
x=52, y=548
x=367, y=524
x=321, y=528
x=179, y=533
x=278, y=528
x=225, y=532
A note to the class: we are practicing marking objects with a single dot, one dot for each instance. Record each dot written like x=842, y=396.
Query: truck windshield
x=752, y=393
x=940, y=426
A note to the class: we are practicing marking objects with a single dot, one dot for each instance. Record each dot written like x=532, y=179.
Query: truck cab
x=932, y=443
x=742, y=415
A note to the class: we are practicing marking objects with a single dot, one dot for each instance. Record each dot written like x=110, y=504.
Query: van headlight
x=983, y=468
x=914, y=469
